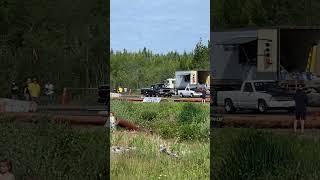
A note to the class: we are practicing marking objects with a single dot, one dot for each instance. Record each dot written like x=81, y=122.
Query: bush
x=169, y=119
x=257, y=154
x=50, y=150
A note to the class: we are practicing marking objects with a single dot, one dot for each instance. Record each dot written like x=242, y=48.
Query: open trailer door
x=267, y=60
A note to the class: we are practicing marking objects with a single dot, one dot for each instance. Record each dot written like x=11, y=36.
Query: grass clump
x=261, y=154
x=49, y=150
x=185, y=121
x=146, y=162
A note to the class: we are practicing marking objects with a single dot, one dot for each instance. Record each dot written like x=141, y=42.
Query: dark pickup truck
x=157, y=90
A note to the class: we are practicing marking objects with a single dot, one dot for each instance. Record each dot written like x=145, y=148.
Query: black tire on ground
x=228, y=106
x=191, y=95
x=262, y=106
x=181, y=95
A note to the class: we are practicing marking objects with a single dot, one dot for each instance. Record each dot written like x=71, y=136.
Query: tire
x=191, y=95
x=228, y=106
x=262, y=106
x=181, y=95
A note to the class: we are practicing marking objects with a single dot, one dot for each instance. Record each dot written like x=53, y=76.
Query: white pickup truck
x=259, y=95
x=189, y=92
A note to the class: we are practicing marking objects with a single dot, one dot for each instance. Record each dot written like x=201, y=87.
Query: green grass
x=183, y=127
x=53, y=151
x=263, y=154
x=145, y=162
x=185, y=121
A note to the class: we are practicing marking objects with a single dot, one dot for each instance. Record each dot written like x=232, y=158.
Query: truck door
x=246, y=99
x=187, y=91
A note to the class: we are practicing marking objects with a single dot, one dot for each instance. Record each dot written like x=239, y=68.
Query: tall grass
x=257, y=154
x=146, y=162
x=185, y=121
x=50, y=150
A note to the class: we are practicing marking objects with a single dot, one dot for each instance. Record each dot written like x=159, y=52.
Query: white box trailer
x=191, y=78
x=258, y=54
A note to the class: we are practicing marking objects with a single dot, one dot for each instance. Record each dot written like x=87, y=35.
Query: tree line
x=62, y=41
x=257, y=13
x=140, y=69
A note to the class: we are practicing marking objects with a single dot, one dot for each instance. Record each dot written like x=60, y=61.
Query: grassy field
x=265, y=154
x=186, y=121
x=182, y=127
x=50, y=150
x=146, y=162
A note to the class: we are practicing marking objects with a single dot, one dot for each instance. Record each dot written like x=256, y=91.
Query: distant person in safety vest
x=34, y=90
x=301, y=101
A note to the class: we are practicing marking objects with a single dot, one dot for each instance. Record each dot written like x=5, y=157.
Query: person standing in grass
x=26, y=91
x=14, y=90
x=50, y=91
x=204, y=92
x=6, y=170
x=34, y=89
x=301, y=101
x=112, y=121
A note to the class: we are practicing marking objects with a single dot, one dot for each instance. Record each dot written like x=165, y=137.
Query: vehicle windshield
x=267, y=86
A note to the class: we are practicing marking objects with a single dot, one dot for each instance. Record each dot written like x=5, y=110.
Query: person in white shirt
x=112, y=121
x=50, y=91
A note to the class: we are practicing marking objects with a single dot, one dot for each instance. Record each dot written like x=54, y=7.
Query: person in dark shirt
x=14, y=90
x=204, y=92
x=301, y=101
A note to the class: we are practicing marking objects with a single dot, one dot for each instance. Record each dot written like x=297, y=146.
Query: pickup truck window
x=248, y=87
x=266, y=86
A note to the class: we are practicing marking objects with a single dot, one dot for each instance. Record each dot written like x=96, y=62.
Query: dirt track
x=268, y=121
x=174, y=99
x=75, y=120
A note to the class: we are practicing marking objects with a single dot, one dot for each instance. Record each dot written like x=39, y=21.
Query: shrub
x=169, y=119
x=50, y=150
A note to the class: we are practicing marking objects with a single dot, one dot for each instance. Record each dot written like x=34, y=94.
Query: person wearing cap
x=301, y=101
x=34, y=89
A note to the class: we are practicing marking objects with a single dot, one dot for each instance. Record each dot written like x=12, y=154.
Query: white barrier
x=11, y=105
x=152, y=99
x=113, y=95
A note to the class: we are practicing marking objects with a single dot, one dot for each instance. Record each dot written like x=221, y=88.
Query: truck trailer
x=191, y=78
x=261, y=53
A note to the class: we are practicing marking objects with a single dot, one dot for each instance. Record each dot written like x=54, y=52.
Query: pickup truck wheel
x=181, y=95
x=262, y=106
x=229, y=108
x=191, y=95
